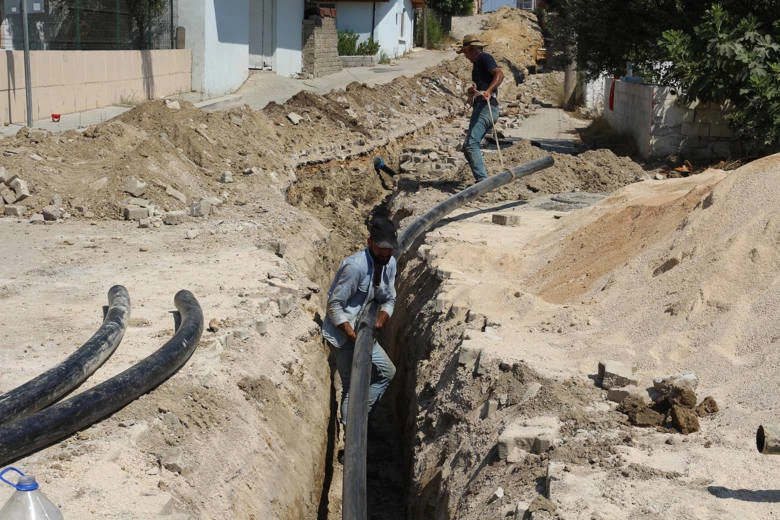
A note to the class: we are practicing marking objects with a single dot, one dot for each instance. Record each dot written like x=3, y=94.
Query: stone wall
x=661, y=124
x=320, y=46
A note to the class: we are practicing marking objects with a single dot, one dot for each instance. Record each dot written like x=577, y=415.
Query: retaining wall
x=65, y=82
x=320, y=47
x=661, y=124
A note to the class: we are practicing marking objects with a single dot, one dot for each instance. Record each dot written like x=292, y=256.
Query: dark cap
x=383, y=233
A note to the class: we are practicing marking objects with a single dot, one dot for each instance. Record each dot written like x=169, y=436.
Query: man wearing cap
x=365, y=276
x=486, y=76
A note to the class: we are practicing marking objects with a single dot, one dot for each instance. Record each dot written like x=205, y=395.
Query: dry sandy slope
x=668, y=276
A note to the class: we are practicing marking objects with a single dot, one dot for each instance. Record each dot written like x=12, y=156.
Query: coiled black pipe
x=353, y=495
x=59, y=381
x=41, y=429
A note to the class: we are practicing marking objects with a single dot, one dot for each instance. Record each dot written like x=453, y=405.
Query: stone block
x=505, y=219
x=51, y=213
x=15, y=210
x=20, y=188
x=468, y=355
x=174, y=218
x=614, y=374
x=489, y=409
x=519, y=439
x=555, y=471
x=132, y=212
x=617, y=395
x=7, y=194
x=201, y=208
x=135, y=187
x=286, y=304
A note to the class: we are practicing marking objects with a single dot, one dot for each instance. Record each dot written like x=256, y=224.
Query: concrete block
x=37, y=218
x=201, y=208
x=227, y=177
x=614, y=374
x=51, y=213
x=132, y=212
x=505, y=219
x=469, y=355
x=555, y=471
x=20, y=188
x=176, y=194
x=15, y=210
x=7, y=194
x=489, y=409
x=617, y=395
x=519, y=439
x=174, y=218
x=261, y=326
x=530, y=391
x=135, y=187
x=286, y=304
x=294, y=118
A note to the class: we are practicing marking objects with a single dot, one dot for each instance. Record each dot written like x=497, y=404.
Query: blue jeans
x=380, y=378
x=479, y=124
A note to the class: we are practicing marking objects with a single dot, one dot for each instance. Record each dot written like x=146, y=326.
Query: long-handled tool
x=470, y=100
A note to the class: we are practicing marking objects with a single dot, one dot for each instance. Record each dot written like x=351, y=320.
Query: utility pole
x=27, y=81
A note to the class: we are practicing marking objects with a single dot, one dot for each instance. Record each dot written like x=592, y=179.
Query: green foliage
x=348, y=43
x=384, y=59
x=710, y=51
x=435, y=33
x=452, y=7
x=142, y=15
x=368, y=47
x=742, y=65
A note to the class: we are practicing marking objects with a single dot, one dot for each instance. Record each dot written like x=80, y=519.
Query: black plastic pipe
x=426, y=221
x=59, y=381
x=41, y=429
x=353, y=497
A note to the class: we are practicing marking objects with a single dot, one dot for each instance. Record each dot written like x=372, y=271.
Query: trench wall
x=661, y=124
x=64, y=82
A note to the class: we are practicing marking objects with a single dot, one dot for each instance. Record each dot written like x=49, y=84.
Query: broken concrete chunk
x=20, y=188
x=505, y=219
x=37, y=218
x=4, y=175
x=227, y=177
x=614, y=374
x=51, y=213
x=519, y=438
x=554, y=475
x=7, y=194
x=294, y=118
x=174, y=218
x=468, y=355
x=201, y=208
x=172, y=104
x=176, y=194
x=15, y=210
x=669, y=385
x=133, y=212
x=617, y=395
x=286, y=304
x=489, y=409
x=135, y=186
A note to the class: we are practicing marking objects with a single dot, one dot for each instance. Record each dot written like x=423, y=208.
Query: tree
x=143, y=14
x=711, y=52
x=452, y=7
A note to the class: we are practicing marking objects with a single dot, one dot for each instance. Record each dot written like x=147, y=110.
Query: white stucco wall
x=288, y=58
x=227, y=48
x=390, y=19
x=191, y=17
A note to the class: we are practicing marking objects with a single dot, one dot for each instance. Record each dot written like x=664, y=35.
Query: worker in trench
x=362, y=277
x=486, y=76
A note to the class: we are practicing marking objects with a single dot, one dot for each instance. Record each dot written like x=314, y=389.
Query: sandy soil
x=667, y=275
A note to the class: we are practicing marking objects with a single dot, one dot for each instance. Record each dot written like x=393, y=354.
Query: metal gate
x=261, y=34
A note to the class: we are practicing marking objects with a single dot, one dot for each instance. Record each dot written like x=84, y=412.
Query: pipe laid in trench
x=59, y=381
x=768, y=439
x=353, y=496
x=426, y=221
x=41, y=429
x=354, y=499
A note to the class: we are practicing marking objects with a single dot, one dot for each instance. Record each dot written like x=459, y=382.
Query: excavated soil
x=667, y=274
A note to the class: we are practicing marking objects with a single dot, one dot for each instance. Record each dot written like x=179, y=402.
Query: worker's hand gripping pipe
x=354, y=501
x=426, y=221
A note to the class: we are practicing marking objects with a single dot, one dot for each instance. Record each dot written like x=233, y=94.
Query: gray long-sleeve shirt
x=349, y=291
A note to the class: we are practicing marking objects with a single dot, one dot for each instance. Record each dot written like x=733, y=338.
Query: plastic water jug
x=27, y=502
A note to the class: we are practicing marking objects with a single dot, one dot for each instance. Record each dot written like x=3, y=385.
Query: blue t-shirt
x=481, y=76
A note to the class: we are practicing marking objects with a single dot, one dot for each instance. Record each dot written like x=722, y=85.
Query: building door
x=261, y=34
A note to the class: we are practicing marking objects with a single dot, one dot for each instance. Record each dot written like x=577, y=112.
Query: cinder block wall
x=662, y=125
x=65, y=82
x=320, y=47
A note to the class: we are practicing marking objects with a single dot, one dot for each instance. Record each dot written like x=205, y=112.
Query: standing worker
x=362, y=277
x=486, y=76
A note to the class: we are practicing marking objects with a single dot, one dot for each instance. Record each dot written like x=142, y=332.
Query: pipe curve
x=50, y=386
x=45, y=427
